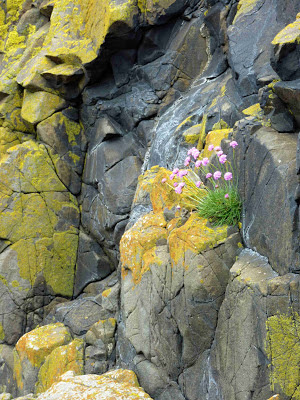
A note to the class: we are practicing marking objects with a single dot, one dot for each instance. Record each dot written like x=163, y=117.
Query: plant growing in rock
x=218, y=200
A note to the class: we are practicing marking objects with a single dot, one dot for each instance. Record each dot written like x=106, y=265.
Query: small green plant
x=218, y=200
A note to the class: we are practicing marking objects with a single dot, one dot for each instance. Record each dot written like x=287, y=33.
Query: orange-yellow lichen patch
x=39, y=343
x=290, y=34
x=137, y=246
x=62, y=359
x=194, y=235
x=214, y=137
x=114, y=385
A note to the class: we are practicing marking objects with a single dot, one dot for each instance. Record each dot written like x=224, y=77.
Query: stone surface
x=265, y=157
x=118, y=384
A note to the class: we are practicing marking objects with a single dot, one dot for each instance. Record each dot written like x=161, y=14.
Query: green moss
x=283, y=350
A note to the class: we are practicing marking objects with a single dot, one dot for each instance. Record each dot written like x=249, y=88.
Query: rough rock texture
x=99, y=100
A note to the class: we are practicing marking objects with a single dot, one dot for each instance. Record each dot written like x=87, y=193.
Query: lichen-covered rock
x=32, y=350
x=286, y=57
x=118, y=384
x=60, y=360
x=170, y=268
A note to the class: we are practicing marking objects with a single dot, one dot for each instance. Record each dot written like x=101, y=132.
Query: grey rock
x=289, y=93
x=92, y=263
x=268, y=181
x=78, y=315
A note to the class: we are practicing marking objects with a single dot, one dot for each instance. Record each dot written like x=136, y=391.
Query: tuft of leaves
x=218, y=209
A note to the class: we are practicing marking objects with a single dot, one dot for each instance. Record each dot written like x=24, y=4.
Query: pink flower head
x=233, y=144
x=228, y=176
x=205, y=161
x=218, y=148
x=187, y=161
x=198, y=184
x=217, y=175
x=195, y=153
x=219, y=153
x=216, y=186
x=175, y=184
x=226, y=196
x=179, y=188
x=198, y=163
x=190, y=152
x=163, y=180
x=175, y=171
x=211, y=147
x=182, y=173
x=172, y=176
x=223, y=159
x=209, y=175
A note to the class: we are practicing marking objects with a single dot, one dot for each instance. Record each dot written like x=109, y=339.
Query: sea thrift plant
x=218, y=200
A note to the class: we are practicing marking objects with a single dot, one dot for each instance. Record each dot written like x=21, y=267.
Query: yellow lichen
x=195, y=235
x=60, y=360
x=283, y=350
x=290, y=34
x=254, y=110
x=39, y=343
x=244, y=7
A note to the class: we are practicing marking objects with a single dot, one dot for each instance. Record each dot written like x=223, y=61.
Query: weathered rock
x=265, y=157
x=112, y=385
x=177, y=266
x=78, y=315
x=31, y=352
x=238, y=356
x=286, y=57
x=289, y=93
x=38, y=106
x=60, y=360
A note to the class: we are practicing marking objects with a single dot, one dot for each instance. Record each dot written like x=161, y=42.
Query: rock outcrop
x=102, y=265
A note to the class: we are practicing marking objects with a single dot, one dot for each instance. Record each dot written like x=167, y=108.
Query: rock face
x=102, y=264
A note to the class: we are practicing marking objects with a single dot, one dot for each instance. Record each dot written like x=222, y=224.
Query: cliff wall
x=104, y=267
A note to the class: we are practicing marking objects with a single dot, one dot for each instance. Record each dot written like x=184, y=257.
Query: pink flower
x=218, y=148
x=175, y=171
x=210, y=147
x=205, y=161
x=209, y=175
x=164, y=180
x=226, y=196
x=172, y=176
x=175, y=184
x=198, y=163
x=223, y=159
x=217, y=175
x=216, y=186
x=187, y=161
x=195, y=153
x=179, y=188
x=190, y=152
x=198, y=184
x=219, y=153
x=233, y=144
x=228, y=176
x=182, y=173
